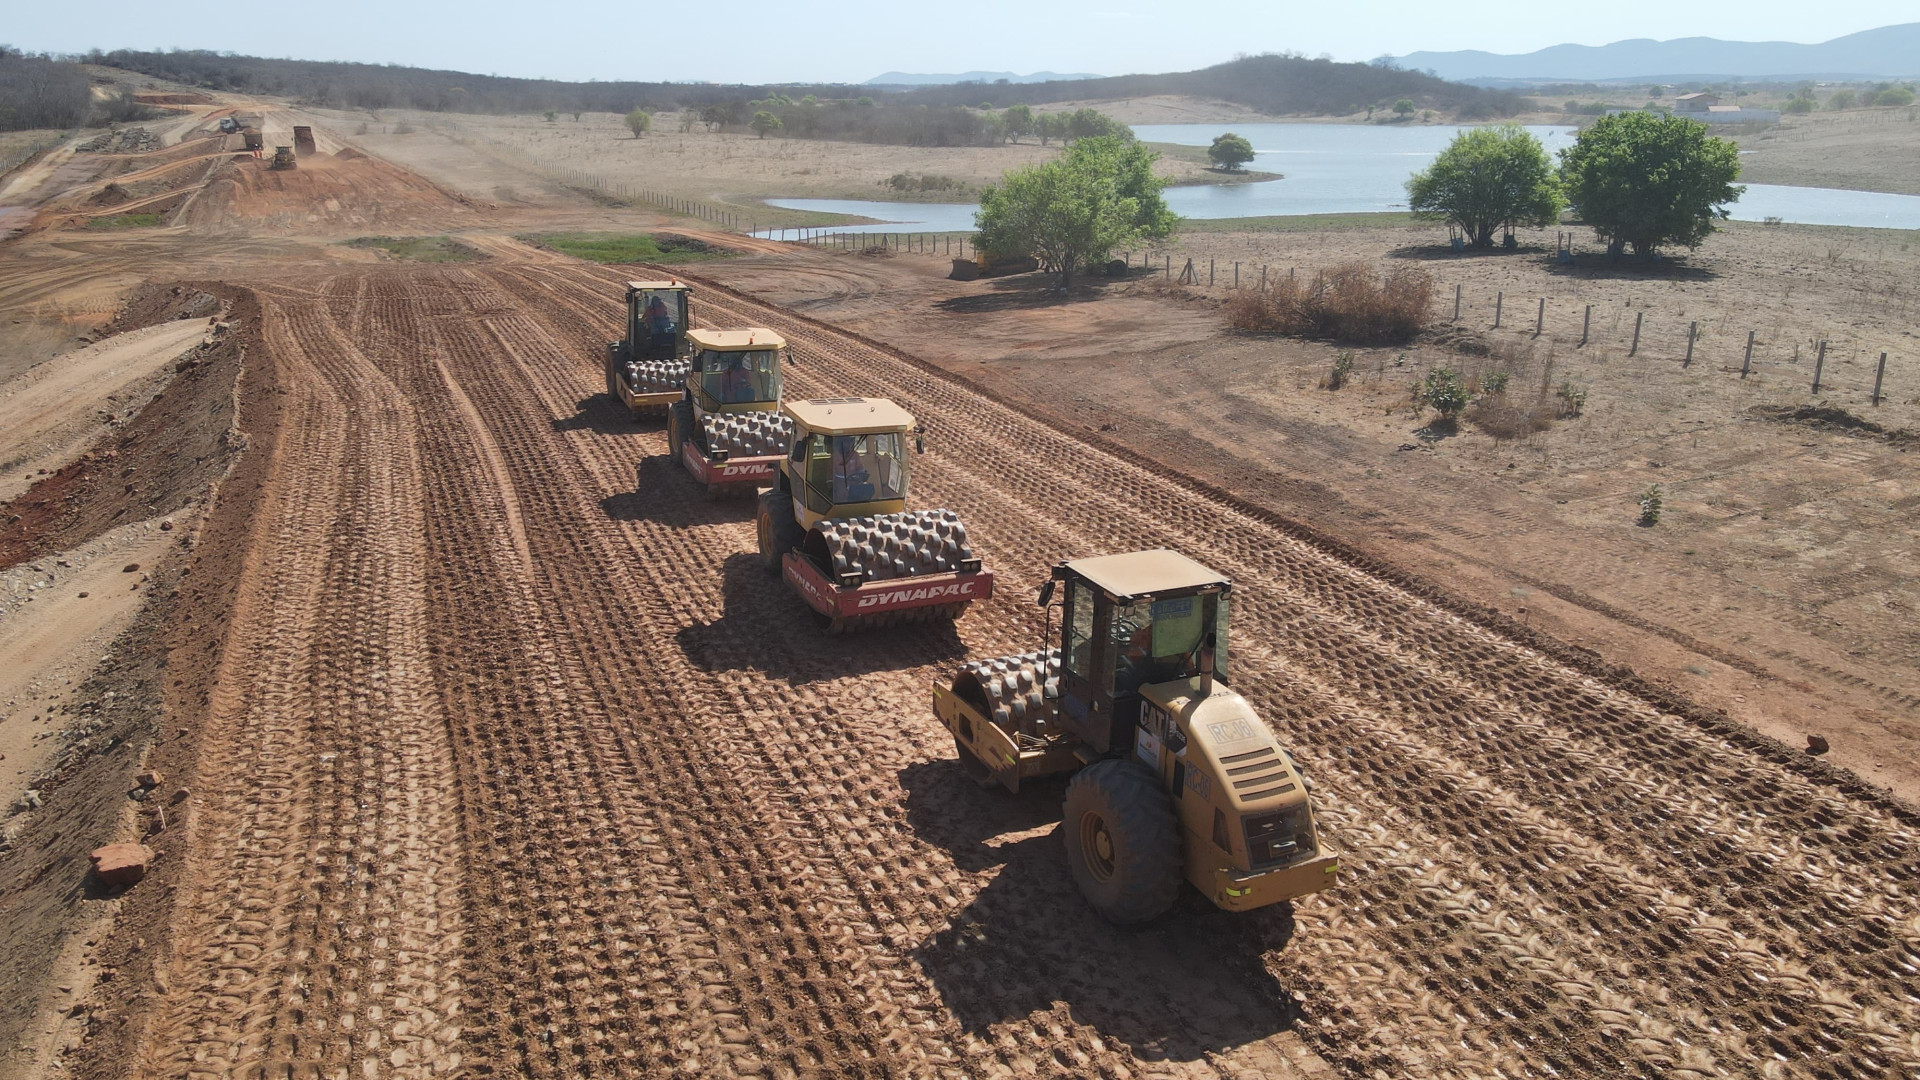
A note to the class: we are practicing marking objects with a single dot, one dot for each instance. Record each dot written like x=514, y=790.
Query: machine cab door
x=1086, y=670
x=658, y=322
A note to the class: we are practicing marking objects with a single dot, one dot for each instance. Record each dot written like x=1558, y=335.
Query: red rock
x=121, y=864
x=130, y=568
x=1817, y=744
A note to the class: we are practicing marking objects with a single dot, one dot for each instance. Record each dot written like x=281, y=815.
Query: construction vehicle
x=1174, y=773
x=283, y=158
x=303, y=143
x=836, y=526
x=727, y=428
x=647, y=370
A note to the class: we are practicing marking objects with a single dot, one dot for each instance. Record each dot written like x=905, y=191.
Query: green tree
x=1089, y=124
x=639, y=121
x=1050, y=126
x=1403, y=108
x=1799, y=106
x=1073, y=212
x=1894, y=95
x=1841, y=99
x=1487, y=179
x=1019, y=120
x=1230, y=151
x=551, y=115
x=1642, y=180
x=764, y=122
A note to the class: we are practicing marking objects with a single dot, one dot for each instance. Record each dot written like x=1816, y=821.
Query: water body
x=1361, y=168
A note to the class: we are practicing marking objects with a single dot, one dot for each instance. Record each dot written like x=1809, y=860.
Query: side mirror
x=1046, y=593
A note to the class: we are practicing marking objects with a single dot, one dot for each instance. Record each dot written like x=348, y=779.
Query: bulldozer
x=1173, y=773
x=836, y=527
x=727, y=428
x=283, y=158
x=647, y=370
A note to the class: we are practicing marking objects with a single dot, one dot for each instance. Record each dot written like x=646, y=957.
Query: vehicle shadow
x=602, y=414
x=763, y=626
x=1190, y=984
x=666, y=493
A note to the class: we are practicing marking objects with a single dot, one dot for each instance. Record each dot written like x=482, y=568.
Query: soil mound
x=353, y=195
x=1831, y=418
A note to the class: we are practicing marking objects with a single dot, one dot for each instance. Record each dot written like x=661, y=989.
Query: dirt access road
x=512, y=760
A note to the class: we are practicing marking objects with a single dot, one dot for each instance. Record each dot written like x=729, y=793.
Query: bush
x=1501, y=417
x=1799, y=106
x=639, y=121
x=1650, y=507
x=1342, y=370
x=1572, y=400
x=1898, y=95
x=1842, y=99
x=909, y=182
x=1443, y=392
x=1352, y=304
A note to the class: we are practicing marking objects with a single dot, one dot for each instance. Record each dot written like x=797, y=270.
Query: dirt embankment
x=135, y=710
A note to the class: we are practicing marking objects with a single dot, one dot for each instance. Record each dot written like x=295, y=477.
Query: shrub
x=639, y=121
x=1650, y=507
x=551, y=115
x=1342, y=370
x=1352, y=304
x=1495, y=382
x=1572, y=399
x=764, y=122
x=1842, y=99
x=1799, y=106
x=1898, y=95
x=908, y=182
x=1443, y=392
x=1503, y=418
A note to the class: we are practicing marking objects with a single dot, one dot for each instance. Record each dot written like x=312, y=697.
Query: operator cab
x=736, y=368
x=848, y=456
x=1133, y=621
x=657, y=313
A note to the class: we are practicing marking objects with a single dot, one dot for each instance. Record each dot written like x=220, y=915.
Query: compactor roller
x=647, y=370
x=727, y=428
x=836, y=526
x=1175, y=775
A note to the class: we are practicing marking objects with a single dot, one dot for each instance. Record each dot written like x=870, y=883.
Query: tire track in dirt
x=1677, y=739
x=326, y=919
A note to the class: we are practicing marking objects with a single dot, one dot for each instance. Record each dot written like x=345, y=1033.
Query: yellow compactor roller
x=647, y=370
x=1175, y=774
x=837, y=528
x=727, y=428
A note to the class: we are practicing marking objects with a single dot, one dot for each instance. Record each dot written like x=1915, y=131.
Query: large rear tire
x=679, y=426
x=777, y=532
x=1123, y=841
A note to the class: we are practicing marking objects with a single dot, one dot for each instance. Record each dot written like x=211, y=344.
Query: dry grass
x=1349, y=303
x=1514, y=396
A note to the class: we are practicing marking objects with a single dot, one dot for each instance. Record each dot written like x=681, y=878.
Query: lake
x=1361, y=168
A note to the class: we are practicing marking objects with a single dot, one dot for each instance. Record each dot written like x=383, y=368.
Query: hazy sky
x=760, y=41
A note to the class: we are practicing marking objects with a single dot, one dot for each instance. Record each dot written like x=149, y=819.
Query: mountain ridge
x=1887, y=51
x=908, y=78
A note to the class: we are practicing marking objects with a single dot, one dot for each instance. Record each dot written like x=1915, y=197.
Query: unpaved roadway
x=513, y=761
x=517, y=766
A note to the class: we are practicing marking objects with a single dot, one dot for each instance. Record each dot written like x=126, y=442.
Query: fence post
x=1499, y=301
x=1209, y=273
x=1586, y=323
x=1693, y=332
x=1540, y=319
x=1819, y=361
x=1637, y=316
x=1456, y=303
x=1746, y=362
x=1169, y=267
x=1263, y=279
x=1236, y=275
x=1879, y=374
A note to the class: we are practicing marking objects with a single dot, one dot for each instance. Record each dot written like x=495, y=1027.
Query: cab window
x=1079, y=628
x=1159, y=641
x=868, y=468
x=740, y=376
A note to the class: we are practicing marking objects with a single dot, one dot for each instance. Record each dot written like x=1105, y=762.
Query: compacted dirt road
x=519, y=763
x=513, y=761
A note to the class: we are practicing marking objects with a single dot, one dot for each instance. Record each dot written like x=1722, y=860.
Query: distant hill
x=1889, y=51
x=907, y=78
x=1273, y=84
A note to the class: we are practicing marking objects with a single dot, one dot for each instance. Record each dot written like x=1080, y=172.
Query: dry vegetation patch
x=1349, y=303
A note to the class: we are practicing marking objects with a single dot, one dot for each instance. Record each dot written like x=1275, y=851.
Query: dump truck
x=836, y=526
x=303, y=143
x=727, y=428
x=283, y=158
x=1174, y=774
x=647, y=369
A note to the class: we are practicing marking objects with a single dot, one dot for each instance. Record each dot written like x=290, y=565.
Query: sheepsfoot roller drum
x=836, y=526
x=1175, y=776
x=727, y=428
x=647, y=369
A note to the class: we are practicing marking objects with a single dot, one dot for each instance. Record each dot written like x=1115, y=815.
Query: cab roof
x=849, y=415
x=747, y=337
x=681, y=285
x=1141, y=573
